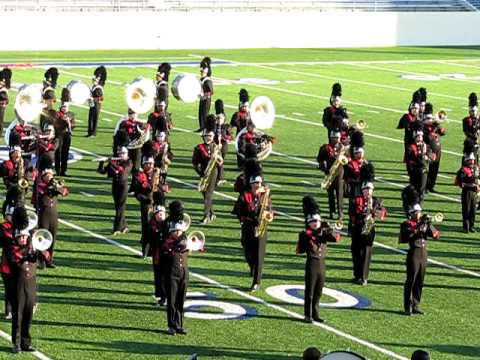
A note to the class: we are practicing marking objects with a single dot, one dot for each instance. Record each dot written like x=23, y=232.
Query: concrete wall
x=194, y=30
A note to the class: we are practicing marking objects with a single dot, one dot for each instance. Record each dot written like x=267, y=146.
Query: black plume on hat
x=336, y=90
x=356, y=139
x=469, y=146
x=252, y=167
x=14, y=139
x=243, y=96
x=309, y=206
x=13, y=196
x=420, y=355
x=210, y=122
x=65, y=98
x=417, y=97
x=423, y=94
x=100, y=74
x=472, y=100
x=19, y=218
x=250, y=151
x=176, y=211
x=219, y=109
x=428, y=109
x=44, y=162
x=147, y=149
x=51, y=76
x=205, y=63
x=165, y=69
x=122, y=138
x=367, y=172
x=410, y=196
x=6, y=77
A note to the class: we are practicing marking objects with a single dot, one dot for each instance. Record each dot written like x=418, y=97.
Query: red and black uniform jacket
x=314, y=242
x=207, y=87
x=6, y=239
x=9, y=173
x=352, y=176
x=240, y=119
x=23, y=260
x=247, y=207
x=159, y=152
x=160, y=121
x=155, y=237
x=118, y=170
x=174, y=253
x=326, y=157
x=97, y=93
x=64, y=123
x=162, y=90
x=433, y=133
x=418, y=156
x=45, y=195
x=408, y=122
x=224, y=133
x=3, y=97
x=467, y=178
x=143, y=186
x=201, y=157
x=45, y=146
x=471, y=125
x=415, y=233
x=130, y=126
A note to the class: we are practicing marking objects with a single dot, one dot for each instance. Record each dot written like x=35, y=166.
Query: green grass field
x=97, y=303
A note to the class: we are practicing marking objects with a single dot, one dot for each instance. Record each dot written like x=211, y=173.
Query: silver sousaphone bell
x=196, y=241
x=32, y=220
x=42, y=239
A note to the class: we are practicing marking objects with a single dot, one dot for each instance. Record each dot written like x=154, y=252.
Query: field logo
x=73, y=156
x=292, y=294
x=198, y=301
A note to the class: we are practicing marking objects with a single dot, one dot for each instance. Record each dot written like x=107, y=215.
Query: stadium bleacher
x=241, y=5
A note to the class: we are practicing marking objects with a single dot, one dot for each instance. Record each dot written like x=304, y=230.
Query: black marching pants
x=468, y=208
x=24, y=301
x=416, y=266
x=48, y=219
x=254, y=249
x=120, y=193
x=93, y=115
x=61, y=153
x=314, y=282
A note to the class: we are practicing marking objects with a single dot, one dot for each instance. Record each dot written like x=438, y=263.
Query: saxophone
x=22, y=181
x=369, y=222
x=341, y=160
x=156, y=180
x=215, y=158
x=165, y=160
x=265, y=216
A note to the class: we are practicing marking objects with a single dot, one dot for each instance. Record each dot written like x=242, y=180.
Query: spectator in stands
x=420, y=355
x=312, y=353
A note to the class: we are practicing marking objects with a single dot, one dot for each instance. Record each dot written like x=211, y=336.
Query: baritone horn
x=360, y=125
x=262, y=112
x=438, y=217
x=42, y=239
x=140, y=95
x=196, y=241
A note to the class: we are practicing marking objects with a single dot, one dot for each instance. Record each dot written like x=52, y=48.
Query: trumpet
x=360, y=125
x=196, y=241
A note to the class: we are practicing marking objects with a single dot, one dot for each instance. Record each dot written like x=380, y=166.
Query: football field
x=97, y=303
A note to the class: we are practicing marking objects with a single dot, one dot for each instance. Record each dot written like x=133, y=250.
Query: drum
x=79, y=92
x=186, y=88
x=342, y=355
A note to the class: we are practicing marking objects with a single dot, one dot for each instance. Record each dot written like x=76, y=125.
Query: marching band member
x=203, y=155
x=163, y=72
x=327, y=155
x=423, y=101
x=49, y=84
x=352, y=171
x=415, y=231
x=418, y=156
x=364, y=213
x=250, y=212
x=96, y=99
x=241, y=118
x=46, y=142
x=23, y=264
x=223, y=135
x=410, y=121
x=162, y=153
x=156, y=234
x=433, y=132
x=64, y=125
x=471, y=124
x=6, y=240
x=313, y=241
x=468, y=179
x=174, y=256
x=206, y=92
x=160, y=120
x=44, y=198
x=335, y=114
x=132, y=127
x=11, y=169
x=118, y=170
x=5, y=80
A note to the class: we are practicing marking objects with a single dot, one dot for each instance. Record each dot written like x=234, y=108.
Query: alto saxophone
x=215, y=158
x=335, y=168
x=22, y=181
x=265, y=216
x=156, y=180
x=369, y=218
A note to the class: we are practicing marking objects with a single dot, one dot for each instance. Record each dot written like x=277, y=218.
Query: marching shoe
x=28, y=348
x=212, y=217
x=418, y=311
x=116, y=232
x=221, y=182
x=407, y=313
x=16, y=349
x=364, y=282
x=308, y=320
x=8, y=316
x=205, y=220
x=171, y=331
x=472, y=230
x=181, y=331
x=318, y=319
x=254, y=287
x=51, y=265
x=125, y=230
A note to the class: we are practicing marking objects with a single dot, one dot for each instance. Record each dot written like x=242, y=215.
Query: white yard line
x=36, y=353
x=86, y=194
x=107, y=119
x=307, y=182
x=274, y=185
x=348, y=62
x=298, y=114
